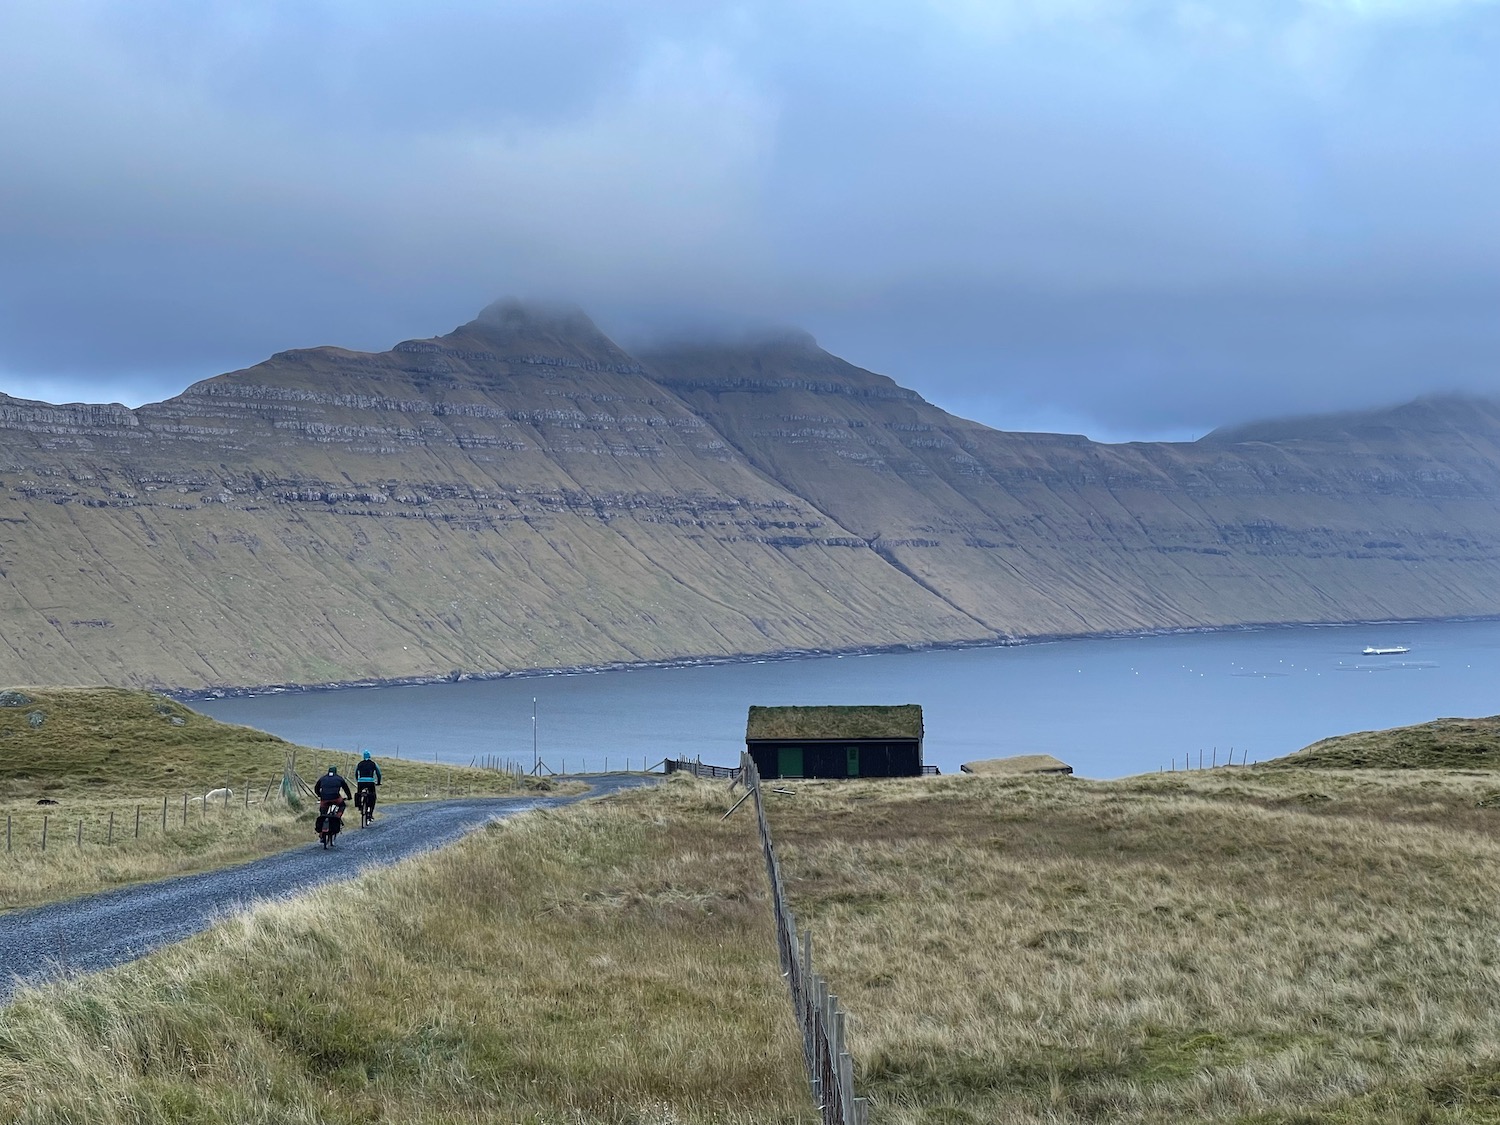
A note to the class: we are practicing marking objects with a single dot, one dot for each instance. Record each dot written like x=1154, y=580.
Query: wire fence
x=1208, y=759
x=698, y=768
x=115, y=822
x=118, y=822
x=830, y=1067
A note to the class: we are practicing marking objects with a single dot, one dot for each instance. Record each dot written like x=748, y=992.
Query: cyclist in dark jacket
x=331, y=790
x=366, y=777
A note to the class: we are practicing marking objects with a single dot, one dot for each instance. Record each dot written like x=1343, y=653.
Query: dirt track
x=97, y=931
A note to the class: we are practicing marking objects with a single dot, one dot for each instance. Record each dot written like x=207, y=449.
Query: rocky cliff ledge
x=523, y=493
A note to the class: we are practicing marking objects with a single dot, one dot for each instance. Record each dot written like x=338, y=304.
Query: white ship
x=1393, y=650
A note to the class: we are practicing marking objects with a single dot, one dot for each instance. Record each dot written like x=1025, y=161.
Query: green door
x=853, y=761
x=789, y=761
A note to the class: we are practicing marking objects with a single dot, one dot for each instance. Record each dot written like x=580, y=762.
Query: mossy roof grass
x=1018, y=764
x=1469, y=744
x=901, y=721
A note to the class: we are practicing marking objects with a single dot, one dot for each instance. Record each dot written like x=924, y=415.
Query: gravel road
x=95, y=932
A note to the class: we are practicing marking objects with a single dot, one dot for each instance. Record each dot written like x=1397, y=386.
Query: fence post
x=184, y=810
x=163, y=814
x=138, y=822
x=109, y=837
x=80, y=831
x=45, y=817
x=830, y=1067
x=7, y=831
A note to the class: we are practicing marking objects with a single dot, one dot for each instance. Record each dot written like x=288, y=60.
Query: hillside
x=1451, y=744
x=119, y=778
x=522, y=493
x=1230, y=946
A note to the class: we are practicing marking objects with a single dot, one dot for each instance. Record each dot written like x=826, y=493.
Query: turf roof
x=1020, y=763
x=904, y=721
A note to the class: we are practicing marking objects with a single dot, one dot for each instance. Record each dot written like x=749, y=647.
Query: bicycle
x=364, y=801
x=329, y=823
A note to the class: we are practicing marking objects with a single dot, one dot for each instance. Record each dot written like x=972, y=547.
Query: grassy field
x=123, y=775
x=1272, y=945
x=1462, y=744
x=1312, y=941
x=609, y=962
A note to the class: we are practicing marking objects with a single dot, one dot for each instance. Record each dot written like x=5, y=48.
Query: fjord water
x=1109, y=707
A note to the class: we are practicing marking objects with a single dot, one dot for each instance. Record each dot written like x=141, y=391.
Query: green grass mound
x=66, y=739
x=1465, y=744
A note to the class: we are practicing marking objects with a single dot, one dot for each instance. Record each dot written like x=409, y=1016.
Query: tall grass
x=1227, y=946
x=71, y=755
x=609, y=962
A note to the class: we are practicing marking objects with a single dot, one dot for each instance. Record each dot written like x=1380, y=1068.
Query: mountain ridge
x=523, y=493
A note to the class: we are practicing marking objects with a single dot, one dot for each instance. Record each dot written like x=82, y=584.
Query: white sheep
x=220, y=794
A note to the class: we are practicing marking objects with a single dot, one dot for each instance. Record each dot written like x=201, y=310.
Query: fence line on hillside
x=698, y=768
x=51, y=830
x=1211, y=762
x=113, y=831
x=830, y=1067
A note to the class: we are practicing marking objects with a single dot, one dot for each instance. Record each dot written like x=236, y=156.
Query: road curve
x=91, y=933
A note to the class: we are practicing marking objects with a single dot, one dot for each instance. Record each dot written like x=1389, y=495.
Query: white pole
x=533, y=735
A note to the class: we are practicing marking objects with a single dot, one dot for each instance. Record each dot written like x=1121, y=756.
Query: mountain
x=523, y=493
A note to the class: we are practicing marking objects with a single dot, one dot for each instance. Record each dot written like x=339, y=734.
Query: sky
x=1136, y=219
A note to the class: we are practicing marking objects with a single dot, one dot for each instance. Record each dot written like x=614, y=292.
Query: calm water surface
x=1107, y=707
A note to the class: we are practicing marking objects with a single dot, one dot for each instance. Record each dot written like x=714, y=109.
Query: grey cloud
x=1149, y=217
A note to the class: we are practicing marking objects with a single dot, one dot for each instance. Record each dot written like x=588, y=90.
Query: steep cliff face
x=516, y=494
x=1380, y=515
x=522, y=493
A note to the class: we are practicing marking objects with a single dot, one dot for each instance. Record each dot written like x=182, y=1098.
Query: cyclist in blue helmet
x=366, y=778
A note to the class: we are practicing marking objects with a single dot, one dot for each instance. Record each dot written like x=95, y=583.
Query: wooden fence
x=697, y=768
x=104, y=827
x=830, y=1067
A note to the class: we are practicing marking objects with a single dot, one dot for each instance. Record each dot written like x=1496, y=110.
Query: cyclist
x=366, y=777
x=331, y=790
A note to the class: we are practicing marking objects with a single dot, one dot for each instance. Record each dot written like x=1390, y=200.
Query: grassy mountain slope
x=522, y=493
x=1454, y=744
x=1385, y=515
x=471, y=503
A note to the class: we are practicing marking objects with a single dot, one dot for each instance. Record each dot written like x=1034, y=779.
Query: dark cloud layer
x=1132, y=217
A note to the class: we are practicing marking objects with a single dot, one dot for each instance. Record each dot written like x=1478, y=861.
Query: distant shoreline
x=195, y=694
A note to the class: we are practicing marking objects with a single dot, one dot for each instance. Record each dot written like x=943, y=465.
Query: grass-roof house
x=835, y=741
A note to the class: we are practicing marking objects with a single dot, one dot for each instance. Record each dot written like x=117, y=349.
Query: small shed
x=1021, y=763
x=836, y=741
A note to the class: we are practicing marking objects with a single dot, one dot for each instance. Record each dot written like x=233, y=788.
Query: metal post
x=534, y=759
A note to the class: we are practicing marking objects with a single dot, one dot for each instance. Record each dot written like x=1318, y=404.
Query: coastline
x=189, y=695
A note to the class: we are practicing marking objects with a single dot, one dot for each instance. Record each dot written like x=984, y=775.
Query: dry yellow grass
x=1309, y=947
x=95, y=753
x=608, y=962
x=211, y=837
